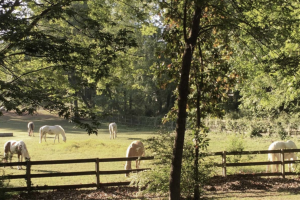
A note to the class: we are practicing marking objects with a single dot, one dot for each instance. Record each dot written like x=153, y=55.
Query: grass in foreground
x=79, y=145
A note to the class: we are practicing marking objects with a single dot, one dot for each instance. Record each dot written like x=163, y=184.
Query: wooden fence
x=28, y=176
x=282, y=162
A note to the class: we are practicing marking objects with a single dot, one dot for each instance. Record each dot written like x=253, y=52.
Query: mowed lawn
x=79, y=145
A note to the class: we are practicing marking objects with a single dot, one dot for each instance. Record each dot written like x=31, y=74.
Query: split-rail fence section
x=28, y=176
x=281, y=162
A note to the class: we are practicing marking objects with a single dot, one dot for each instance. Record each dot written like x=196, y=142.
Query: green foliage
x=236, y=144
x=156, y=180
x=3, y=195
x=270, y=78
x=55, y=54
x=282, y=134
x=255, y=131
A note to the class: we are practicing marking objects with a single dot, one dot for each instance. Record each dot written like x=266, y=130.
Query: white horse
x=52, y=130
x=136, y=148
x=113, y=130
x=15, y=147
x=30, y=128
x=2, y=109
x=276, y=156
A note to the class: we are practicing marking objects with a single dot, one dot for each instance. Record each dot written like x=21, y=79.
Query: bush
x=156, y=180
x=282, y=134
x=236, y=144
x=3, y=195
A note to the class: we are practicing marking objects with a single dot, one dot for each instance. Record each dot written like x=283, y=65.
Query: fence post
x=282, y=163
x=224, y=163
x=97, y=173
x=28, y=166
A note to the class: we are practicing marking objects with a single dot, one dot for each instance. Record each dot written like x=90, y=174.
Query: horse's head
x=22, y=148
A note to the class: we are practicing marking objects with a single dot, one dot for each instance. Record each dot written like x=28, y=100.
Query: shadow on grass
x=45, y=171
x=135, y=139
x=251, y=187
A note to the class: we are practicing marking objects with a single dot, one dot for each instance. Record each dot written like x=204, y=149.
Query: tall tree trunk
x=125, y=102
x=196, y=158
x=130, y=102
x=183, y=89
x=76, y=114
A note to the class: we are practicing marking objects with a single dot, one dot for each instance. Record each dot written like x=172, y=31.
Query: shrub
x=282, y=134
x=236, y=144
x=156, y=180
x=3, y=195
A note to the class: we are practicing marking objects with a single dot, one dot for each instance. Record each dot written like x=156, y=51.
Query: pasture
x=78, y=145
x=81, y=145
x=234, y=142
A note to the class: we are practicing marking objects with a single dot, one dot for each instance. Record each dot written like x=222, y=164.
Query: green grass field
x=79, y=145
x=224, y=142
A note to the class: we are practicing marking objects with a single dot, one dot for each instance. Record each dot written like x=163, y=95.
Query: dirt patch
x=106, y=193
x=218, y=188
x=248, y=187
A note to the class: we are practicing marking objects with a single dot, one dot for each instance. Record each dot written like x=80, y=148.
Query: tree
x=204, y=39
x=45, y=42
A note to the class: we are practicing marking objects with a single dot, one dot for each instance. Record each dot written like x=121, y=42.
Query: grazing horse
x=113, y=130
x=2, y=109
x=30, y=128
x=276, y=156
x=136, y=148
x=52, y=130
x=15, y=147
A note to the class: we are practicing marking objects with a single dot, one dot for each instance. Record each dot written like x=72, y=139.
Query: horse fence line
x=282, y=162
x=140, y=121
x=28, y=176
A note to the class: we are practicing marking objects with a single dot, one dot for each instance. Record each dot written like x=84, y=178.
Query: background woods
x=189, y=62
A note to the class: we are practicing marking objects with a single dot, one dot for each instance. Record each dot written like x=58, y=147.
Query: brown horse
x=136, y=148
x=15, y=147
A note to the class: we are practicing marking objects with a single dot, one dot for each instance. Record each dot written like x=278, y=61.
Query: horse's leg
x=10, y=158
x=277, y=166
x=19, y=160
x=268, y=166
x=58, y=137
x=137, y=164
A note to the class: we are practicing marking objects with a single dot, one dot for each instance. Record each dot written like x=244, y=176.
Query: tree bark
x=183, y=89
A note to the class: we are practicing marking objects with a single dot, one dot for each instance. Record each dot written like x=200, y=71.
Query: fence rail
x=28, y=176
x=282, y=162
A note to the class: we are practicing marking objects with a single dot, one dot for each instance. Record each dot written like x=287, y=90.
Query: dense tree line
x=178, y=59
